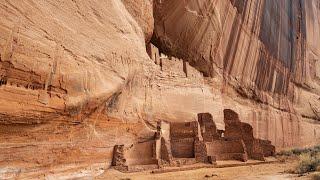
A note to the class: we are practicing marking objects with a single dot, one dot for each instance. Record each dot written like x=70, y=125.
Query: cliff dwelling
x=178, y=144
x=91, y=89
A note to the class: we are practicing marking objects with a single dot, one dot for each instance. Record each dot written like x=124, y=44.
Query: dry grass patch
x=309, y=159
x=309, y=162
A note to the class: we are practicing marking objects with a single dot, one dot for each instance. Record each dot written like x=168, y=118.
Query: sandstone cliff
x=263, y=53
x=76, y=79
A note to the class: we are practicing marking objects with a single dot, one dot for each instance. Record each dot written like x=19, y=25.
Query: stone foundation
x=227, y=150
x=178, y=144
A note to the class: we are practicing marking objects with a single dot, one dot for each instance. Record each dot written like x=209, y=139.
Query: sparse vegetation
x=309, y=159
x=309, y=162
x=299, y=151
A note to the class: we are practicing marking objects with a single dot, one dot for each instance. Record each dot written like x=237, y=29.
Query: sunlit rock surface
x=76, y=79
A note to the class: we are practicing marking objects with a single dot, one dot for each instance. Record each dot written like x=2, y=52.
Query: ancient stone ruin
x=172, y=65
x=188, y=143
x=242, y=133
x=145, y=84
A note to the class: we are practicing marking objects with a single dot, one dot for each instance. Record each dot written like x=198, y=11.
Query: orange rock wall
x=262, y=55
x=76, y=79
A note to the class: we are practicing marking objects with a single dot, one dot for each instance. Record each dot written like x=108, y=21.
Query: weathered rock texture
x=262, y=56
x=76, y=79
x=188, y=143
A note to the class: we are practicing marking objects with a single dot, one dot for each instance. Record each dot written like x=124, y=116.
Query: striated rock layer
x=76, y=79
x=263, y=54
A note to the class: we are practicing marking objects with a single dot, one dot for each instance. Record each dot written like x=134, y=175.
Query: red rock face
x=142, y=11
x=76, y=79
x=260, y=50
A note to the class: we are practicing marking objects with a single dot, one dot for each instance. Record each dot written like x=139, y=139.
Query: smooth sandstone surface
x=76, y=80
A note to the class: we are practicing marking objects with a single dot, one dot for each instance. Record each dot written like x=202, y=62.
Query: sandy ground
x=275, y=171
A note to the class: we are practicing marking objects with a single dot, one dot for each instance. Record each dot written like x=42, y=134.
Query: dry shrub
x=309, y=162
x=316, y=177
x=300, y=151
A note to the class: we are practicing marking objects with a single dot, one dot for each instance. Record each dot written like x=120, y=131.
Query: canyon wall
x=262, y=54
x=76, y=78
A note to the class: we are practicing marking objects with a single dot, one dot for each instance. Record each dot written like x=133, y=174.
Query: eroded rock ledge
x=79, y=77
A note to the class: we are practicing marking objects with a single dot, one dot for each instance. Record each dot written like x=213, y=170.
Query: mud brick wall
x=183, y=130
x=182, y=137
x=200, y=151
x=221, y=146
x=227, y=150
x=166, y=154
x=235, y=129
x=268, y=148
x=261, y=149
x=256, y=148
x=208, y=127
x=140, y=154
x=182, y=148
